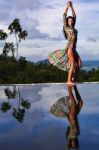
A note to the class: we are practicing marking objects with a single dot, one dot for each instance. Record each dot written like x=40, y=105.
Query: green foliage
x=15, y=29
x=23, y=71
x=5, y=106
x=3, y=35
x=20, y=34
x=7, y=48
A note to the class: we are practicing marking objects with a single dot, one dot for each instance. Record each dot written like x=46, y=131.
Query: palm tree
x=10, y=94
x=5, y=106
x=16, y=29
x=19, y=112
x=25, y=103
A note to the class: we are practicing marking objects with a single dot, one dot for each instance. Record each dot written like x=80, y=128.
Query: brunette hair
x=76, y=143
x=73, y=18
x=70, y=140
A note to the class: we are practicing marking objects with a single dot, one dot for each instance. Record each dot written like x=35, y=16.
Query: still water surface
x=26, y=124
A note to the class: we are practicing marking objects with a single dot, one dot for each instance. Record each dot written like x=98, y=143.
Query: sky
x=43, y=21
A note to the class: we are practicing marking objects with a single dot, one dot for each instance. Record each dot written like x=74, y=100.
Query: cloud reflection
x=42, y=131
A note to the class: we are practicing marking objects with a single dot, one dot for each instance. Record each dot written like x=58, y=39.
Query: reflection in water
x=10, y=93
x=23, y=104
x=69, y=106
x=73, y=130
x=40, y=130
x=5, y=106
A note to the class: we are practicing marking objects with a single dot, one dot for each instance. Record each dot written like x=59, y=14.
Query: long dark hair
x=68, y=25
x=70, y=140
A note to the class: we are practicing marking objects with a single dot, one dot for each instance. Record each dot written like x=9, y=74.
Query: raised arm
x=65, y=12
x=66, y=8
x=73, y=11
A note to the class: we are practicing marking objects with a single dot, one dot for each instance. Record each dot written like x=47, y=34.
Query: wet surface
x=25, y=121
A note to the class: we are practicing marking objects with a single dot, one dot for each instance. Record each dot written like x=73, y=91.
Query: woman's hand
x=71, y=4
x=68, y=4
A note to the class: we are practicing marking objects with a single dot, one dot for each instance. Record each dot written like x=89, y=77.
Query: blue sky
x=43, y=21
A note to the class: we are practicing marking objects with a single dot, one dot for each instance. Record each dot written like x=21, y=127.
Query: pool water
x=27, y=124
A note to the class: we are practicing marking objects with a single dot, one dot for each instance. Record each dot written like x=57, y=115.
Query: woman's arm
x=67, y=144
x=73, y=11
x=66, y=8
x=65, y=12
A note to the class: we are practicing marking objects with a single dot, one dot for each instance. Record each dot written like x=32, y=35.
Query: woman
x=68, y=58
x=69, y=106
x=73, y=130
x=71, y=35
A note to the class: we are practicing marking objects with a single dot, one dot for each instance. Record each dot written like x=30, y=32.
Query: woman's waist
x=72, y=39
x=71, y=46
x=71, y=43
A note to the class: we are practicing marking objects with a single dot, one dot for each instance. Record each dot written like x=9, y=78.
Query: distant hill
x=45, y=61
x=87, y=64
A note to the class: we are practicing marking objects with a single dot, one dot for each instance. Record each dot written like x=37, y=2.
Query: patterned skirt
x=61, y=108
x=59, y=59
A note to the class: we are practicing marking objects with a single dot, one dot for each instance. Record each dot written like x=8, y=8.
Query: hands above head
x=69, y=4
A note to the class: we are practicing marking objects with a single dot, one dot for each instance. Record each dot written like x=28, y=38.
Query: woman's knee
x=72, y=117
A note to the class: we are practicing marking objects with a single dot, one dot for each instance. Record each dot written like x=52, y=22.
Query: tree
x=10, y=93
x=5, y=106
x=3, y=35
x=19, y=114
x=23, y=104
x=7, y=48
x=20, y=34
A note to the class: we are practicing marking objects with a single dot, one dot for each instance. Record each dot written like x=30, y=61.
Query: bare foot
x=70, y=83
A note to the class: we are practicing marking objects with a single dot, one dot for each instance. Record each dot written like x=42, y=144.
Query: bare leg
x=78, y=65
x=72, y=112
x=78, y=60
x=72, y=119
x=78, y=107
x=71, y=57
x=79, y=100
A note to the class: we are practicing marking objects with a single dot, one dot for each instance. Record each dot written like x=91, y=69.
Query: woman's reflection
x=73, y=131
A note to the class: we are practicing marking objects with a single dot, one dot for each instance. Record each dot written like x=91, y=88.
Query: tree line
x=23, y=71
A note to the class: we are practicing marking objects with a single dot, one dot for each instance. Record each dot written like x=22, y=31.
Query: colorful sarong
x=59, y=59
x=61, y=107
